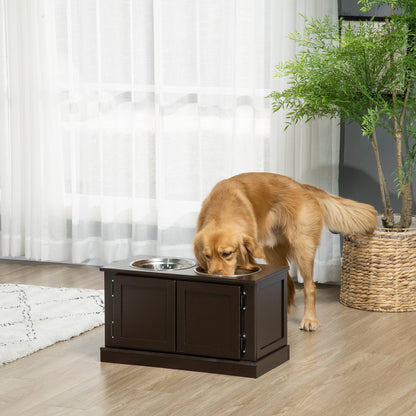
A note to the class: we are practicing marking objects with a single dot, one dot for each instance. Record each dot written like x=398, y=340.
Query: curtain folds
x=308, y=153
x=117, y=118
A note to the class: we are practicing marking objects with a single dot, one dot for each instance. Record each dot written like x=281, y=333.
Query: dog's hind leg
x=310, y=320
x=279, y=255
x=304, y=239
x=304, y=259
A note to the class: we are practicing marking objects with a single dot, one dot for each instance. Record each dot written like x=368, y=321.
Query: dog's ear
x=198, y=247
x=249, y=250
x=253, y=247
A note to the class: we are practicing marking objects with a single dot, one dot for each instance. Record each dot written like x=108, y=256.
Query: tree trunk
x=388, y=218
x=388, y=215
x=405, y=187
x=407, y=202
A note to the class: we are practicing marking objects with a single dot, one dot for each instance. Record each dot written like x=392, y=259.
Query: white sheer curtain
x=309, y=153
x=118, y=117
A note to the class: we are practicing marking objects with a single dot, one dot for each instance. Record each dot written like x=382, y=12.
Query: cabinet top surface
x=125, y=267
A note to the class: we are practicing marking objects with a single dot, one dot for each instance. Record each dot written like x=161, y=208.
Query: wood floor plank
x=358, y=363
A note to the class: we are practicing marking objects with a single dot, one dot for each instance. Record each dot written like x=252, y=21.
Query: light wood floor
x=357, y=364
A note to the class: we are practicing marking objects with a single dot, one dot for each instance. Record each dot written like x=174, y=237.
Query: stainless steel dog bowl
x=157, y=263
x=239, y=272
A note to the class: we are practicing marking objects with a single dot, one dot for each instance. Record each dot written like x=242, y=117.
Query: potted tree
x=366, y=73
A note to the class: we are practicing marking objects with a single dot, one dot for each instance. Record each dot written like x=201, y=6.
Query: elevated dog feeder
x=167, y=312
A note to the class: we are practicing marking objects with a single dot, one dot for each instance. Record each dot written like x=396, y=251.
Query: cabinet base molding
x=240, y=368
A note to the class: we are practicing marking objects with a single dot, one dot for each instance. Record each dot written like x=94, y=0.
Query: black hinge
x=243, y=300
x=112, y=288
x=243, y=343
x=112, y=329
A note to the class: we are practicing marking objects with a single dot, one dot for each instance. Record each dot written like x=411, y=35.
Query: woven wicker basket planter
x=379, y=271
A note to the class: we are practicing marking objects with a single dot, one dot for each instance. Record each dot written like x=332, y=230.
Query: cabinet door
x=208, y=319
x=144, y=313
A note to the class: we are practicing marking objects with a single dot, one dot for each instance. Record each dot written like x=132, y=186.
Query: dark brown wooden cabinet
x=185, y=320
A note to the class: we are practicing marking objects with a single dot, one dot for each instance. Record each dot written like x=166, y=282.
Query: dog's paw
x=308, y=324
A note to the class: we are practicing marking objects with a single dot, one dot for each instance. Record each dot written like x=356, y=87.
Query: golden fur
x=270, y=216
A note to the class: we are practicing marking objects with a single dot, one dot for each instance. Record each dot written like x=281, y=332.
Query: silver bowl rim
x=227, y=275
x=164, y=260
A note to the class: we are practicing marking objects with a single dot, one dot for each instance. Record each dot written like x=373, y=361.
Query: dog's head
x=222, y=252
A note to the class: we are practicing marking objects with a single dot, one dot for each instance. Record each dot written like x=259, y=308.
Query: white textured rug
x=34, y=317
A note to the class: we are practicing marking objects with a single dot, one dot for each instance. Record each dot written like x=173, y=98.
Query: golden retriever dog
x=270, y=216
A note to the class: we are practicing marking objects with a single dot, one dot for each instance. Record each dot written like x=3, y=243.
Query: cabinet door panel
x=144, y=313
x=208, y=319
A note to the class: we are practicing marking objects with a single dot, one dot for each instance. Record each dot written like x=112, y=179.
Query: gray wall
x=358, y=177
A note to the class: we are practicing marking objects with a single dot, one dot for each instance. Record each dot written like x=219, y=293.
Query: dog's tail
x=345, y=216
